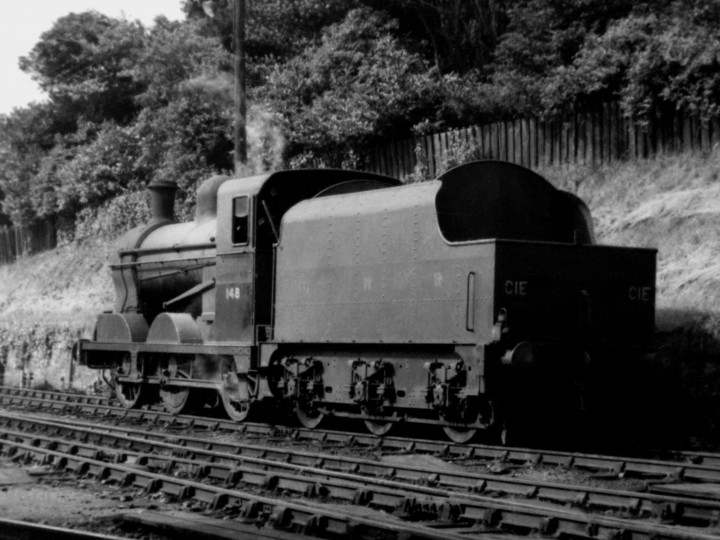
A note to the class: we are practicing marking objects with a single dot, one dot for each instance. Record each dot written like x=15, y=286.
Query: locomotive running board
x=171, y=348
x=168, y=381
x=405, y=418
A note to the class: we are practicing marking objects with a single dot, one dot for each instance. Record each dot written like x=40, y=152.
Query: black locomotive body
x=347, y=294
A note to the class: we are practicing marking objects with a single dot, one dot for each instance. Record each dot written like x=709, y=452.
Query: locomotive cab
x=249, y=214
x=235, y=262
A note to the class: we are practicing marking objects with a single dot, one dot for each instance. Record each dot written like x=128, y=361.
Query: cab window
x=240, y=220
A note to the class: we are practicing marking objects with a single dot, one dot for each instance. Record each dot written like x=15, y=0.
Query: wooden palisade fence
x=18, y=241
x=590, y=137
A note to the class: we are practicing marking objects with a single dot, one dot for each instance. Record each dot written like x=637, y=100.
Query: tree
x=279, y=29
x=83, y=64
x=186, y=122
x=98, y=163
x=649, y=61
x=26, y=136
x=174, y=53
x=358, y=85
x=192, y=137
x=457, y=36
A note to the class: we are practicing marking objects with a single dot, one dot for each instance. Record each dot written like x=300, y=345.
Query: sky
x=22, y=22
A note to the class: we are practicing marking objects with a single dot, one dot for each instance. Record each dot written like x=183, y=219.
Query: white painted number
x=232, y=293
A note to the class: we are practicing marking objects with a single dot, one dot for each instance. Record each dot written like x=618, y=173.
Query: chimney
x=162, y=193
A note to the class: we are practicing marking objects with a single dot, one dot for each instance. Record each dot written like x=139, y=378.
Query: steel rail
x=711, y=459
x=627, y=467
x=65, y=397
x=462, y=513
x=11, y=529
x=669, y=508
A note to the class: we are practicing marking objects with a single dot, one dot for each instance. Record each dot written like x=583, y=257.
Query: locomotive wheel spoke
x=308, y=417
x=175, y=399
x=234, y=398
x=130, y=395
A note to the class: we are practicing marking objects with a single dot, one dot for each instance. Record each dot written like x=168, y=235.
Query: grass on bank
x=671, y=203
x=69, y=285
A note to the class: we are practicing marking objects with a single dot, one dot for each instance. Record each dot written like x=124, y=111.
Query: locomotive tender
x=328, y=292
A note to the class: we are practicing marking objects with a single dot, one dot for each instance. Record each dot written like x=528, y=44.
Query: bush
x=112, y=219
x=459, y=152
x=93, y=172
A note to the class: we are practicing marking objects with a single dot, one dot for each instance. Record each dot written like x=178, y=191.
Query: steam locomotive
x=458, y=303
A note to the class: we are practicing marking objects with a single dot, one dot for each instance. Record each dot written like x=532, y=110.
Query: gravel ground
x=38, y=495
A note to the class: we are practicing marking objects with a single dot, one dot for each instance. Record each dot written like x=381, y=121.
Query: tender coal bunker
x=491, y=199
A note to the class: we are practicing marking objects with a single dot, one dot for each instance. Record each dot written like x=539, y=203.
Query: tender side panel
x=373, y=268
x=602, y=296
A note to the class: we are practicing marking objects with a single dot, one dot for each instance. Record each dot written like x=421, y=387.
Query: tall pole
x=240, y=102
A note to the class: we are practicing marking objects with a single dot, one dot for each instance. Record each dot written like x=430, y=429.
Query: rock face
x=38, y=355
x=47, y=302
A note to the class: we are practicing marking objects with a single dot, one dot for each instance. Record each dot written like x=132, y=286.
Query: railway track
x=296, y=486
x=677, y=466
x=219, y=479
x=222, y=460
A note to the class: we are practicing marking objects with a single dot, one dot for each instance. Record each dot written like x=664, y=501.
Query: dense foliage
x=356, y=85
x=326, y=79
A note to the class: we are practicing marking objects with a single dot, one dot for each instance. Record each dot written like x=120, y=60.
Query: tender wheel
x=378, y=427
x=234, y=397
x=130, y=395
x=308, y=416
x=469, y=412
x=460, y=435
